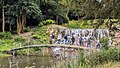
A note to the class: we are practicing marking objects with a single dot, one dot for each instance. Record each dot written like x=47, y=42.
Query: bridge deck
x=51, y=45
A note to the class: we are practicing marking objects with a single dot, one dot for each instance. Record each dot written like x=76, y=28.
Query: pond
x=60, y=56
x=24, y=61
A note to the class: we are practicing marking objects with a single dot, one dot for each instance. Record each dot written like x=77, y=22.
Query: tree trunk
x=23, y=22
x=3, y=18
x=78, y=17
x=10, y=27
x=57, y=19
x=18, y=25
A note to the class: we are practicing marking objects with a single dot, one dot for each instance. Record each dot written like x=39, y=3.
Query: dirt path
x=26, y=35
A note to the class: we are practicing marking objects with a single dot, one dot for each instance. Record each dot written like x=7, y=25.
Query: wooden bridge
x=49, y=46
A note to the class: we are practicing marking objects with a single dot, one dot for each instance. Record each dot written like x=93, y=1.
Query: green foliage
x=37, y=36
x=33, y=10
x=82, y=59
x=19, y=39
x=46, y=22
x=79, y=24
x=40, y=24
x=26, y=29
x=50, y=21
x=5, y=35
x=6, y=44
x=63, y=19
x=30, y=67
x=37, y=49
x=103, y=56
x=112, y=54
x=104, y=42
x=40, y=35
x=8, y=41
x=55, y=10
x=59, y=10
x=29, y=51
x=104, y=39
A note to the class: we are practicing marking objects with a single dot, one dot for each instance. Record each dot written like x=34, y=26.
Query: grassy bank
x=38, y=36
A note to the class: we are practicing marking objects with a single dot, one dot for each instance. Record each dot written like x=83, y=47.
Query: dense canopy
x=17, y=14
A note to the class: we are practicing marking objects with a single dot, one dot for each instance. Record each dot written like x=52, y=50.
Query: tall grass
x=100, y=57
x=93, y=60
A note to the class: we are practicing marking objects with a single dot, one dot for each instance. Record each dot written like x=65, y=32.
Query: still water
x=25, y=61
x=40, y=61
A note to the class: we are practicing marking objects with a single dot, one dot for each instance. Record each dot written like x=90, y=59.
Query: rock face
x=116, y=39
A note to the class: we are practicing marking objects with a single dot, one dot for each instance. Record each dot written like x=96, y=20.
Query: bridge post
x=13, y=53
x=64, y=52
x=43, y=51
x=28, y=52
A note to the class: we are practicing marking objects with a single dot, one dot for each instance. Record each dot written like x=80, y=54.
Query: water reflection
x=65, y=57
x=61, y=56
x=24, y=61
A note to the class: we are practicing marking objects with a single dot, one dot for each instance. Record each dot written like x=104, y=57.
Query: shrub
x=104, y=39
x=112, y=54
x=79, y=24
x=37, y=36
x=5, y=35
x=40, y=24
x=46, y=22
x=104, y=42
x=50, y=21
x=7, y=41
x=26, y=29
x=103, y=56
x=40, y=35
x=19, y=39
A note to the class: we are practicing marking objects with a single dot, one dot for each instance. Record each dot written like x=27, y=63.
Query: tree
x=109, y=9
x=17, y=12
x=3, y=17
x=52, y=9
x=26, y=8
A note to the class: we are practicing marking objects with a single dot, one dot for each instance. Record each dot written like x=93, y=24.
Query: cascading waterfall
x=91, y=32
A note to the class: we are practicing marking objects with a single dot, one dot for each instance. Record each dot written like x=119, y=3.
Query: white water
x=100, y=32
